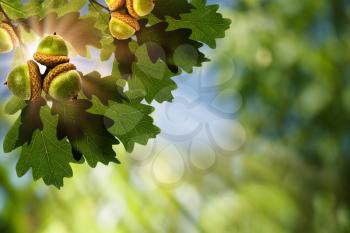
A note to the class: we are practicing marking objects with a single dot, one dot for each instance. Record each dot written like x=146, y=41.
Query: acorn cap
x=24, y=81
x=126, y=19
x=35, y=79
x=134, y=12
x=11, y=32
x=55, y=72
x=50, y=60
x=114, y=5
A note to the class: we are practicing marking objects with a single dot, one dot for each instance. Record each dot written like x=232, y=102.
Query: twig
x=99, y=4
x=9, y=22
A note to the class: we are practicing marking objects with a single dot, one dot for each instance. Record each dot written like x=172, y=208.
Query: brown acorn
x=24, y=81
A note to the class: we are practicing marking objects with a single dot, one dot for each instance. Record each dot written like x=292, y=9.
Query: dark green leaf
x=153, y=80
x=47, y=156
x=86, y=132
x=204, y=21
x=132, y=121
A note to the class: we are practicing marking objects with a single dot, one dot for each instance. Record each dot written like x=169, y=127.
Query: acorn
x=114, y=5
x=63, y=82
x=122, y=26
x=52, y=51
x=8, y=38
x=140, y=8
x=24, y=81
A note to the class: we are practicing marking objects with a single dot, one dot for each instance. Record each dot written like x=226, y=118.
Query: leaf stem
x=99, y=4
x=9, y=22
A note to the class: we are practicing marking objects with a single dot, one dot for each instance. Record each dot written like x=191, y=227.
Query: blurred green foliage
x=291, y=65
x=290, y=62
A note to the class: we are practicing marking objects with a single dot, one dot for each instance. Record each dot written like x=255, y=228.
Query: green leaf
x=107, y=49
x=101, y=18
x=164, y=45
x=13, y=105
x=152, y=80
x=11, y=138
x=105, y=88
x=132, y=121
x=47, y=156
x=23, y=128
x=204, y=21
x=171, y=8
x=86, y=132
x=13, y=8
x=124, y=57
x=42, y=8
x=101, y=23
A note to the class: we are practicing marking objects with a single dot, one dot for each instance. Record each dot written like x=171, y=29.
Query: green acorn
x=63, y=82
x=52, y=51
x=24, y=81
x=8, y=38
x=122, y=26
x=140, y=8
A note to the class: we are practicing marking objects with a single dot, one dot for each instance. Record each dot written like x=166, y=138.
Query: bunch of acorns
x=123, y=25
x=61, y=81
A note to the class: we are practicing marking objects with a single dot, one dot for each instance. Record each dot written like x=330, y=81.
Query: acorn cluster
x=124, y=24
x=61, y=81
x=8, y=37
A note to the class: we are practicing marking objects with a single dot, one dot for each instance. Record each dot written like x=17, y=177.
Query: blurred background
x=258, y=140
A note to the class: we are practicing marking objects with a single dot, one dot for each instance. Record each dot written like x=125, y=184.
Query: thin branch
x=99, y=4
x=9, y=22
